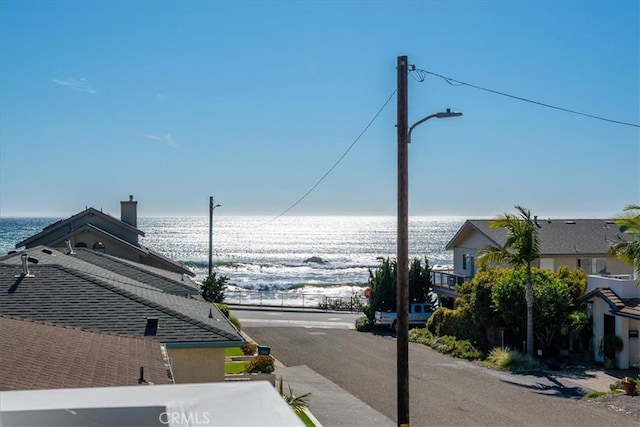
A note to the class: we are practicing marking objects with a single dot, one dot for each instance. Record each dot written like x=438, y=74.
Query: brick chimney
x=129, y=211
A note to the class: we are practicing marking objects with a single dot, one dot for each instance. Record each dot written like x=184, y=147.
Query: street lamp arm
x=418, y=123
x=440, y=115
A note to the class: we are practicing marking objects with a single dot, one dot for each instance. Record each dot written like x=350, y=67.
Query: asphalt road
x=444, y=391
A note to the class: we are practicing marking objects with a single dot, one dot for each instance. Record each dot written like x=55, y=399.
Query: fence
x=291, y=299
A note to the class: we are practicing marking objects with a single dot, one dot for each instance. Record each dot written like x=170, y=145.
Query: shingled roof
x=557, y=236
x=65, y=223
x=626, y=307
x=116, y=232
x=139, y=272
x=36, y=356
x=108, y=267
x=69, y=291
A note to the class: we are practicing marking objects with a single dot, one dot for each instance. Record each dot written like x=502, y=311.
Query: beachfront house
x=90, y=290
x=573, y=243
x=97, y=230
x=614, y=303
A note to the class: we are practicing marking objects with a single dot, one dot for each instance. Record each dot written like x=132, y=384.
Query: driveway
x=444, y=391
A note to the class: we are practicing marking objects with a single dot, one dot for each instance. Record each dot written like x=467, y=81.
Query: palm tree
x=629, y=250
x=521, y=249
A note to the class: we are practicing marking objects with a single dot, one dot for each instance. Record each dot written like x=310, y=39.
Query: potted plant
x=629, y=385
x=610, y=346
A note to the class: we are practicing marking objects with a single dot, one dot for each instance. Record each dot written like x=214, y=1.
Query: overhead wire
x=304, y=196
x=454, y=82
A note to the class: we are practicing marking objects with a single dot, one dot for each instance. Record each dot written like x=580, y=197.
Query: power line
x=421, y=73
x=304, y=196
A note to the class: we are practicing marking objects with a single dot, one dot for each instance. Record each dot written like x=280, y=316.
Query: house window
x=99, y=246
x=593, y=265
x=600, y=265
x=81, y=245
x=548, y=264
x=464, y=261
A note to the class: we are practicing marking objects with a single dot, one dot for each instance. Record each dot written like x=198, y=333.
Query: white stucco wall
x=624, y=288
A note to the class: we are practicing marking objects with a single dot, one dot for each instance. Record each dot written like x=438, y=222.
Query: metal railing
x=289, y=299
x=447, y=279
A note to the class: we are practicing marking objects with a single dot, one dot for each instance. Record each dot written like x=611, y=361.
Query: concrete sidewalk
x=595, y=378
x=330, y=404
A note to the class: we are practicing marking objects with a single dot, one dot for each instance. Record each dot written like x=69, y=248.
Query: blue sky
x=252, y=102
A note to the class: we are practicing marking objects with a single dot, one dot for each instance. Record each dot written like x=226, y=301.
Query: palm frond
x=297, y=403
x=629, y=250
x=522, y=245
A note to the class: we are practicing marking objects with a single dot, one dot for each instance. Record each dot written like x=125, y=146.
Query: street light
x=402, y=340
x=211, y=208
x=440, y=115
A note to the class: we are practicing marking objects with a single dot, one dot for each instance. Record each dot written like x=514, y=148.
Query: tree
x=213, y=287
x=382, y=282
x=475, y=297
x=419, y=280
x=576, y=279
x=629, y=250
x=520, y=249
x=553, y=302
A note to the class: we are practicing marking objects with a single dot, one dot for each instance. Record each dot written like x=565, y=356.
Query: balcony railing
x=447, y=279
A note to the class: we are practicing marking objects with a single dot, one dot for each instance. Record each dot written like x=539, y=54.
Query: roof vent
x=69, y=248
x=210, y=314
x=26, y=259
x=141, y=379
x=570, y=222
x=47, y=251
x=152, y=326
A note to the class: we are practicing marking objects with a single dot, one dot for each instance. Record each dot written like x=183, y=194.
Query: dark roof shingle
x=42, y=356
x=557, y=236
x=65, y=290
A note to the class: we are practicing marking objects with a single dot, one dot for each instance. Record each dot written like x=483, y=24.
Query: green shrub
x=594, y=394
x=261, y=364
x=462, y=349
x=436, y=321
x=249, y=349
x=224, y=308
x=363, y=324
x=235, y=321
x=511, y=360
x=458, y=323
x=421, y=336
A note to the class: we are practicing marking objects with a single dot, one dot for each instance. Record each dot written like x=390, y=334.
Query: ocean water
x=260, y=255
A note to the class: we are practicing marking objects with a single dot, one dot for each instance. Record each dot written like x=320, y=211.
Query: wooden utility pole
x=402, y=285
x=210, y=235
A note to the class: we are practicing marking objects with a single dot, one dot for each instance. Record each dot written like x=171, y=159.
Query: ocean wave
x=327, y=265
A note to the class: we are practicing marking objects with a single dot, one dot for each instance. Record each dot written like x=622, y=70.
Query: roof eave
x=62, y=223
x=204, y=344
